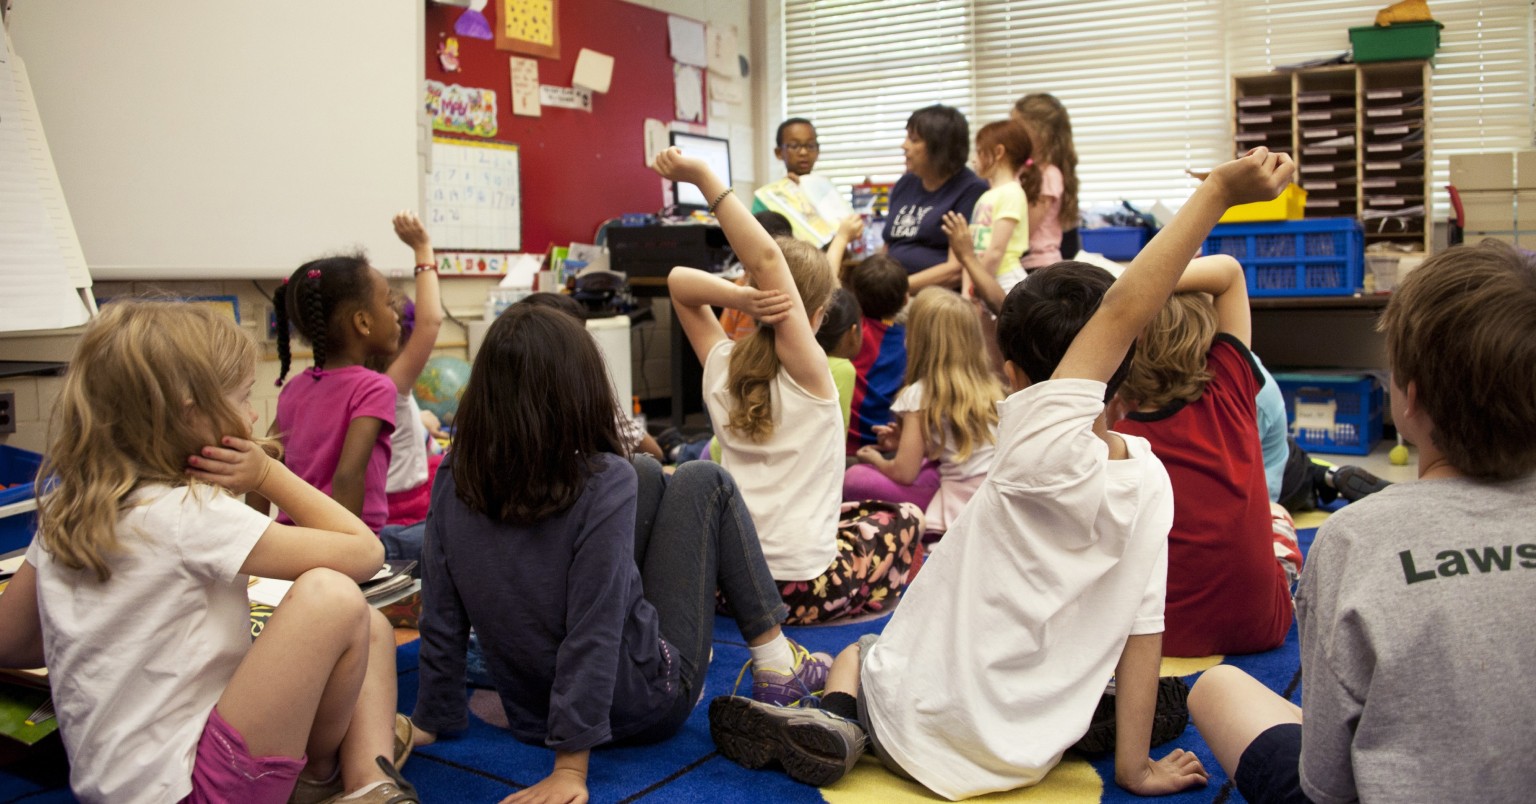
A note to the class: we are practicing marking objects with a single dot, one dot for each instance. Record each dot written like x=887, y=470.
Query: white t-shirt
x=979, y=462
x=138, y=662
x=992, y=665
x=793, y=482
x=408, y=444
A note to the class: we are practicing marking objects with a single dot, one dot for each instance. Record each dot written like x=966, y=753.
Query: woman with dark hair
x=937, y=181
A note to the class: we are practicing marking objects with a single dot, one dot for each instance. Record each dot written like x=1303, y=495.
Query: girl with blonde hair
x=134, y=591
x=780, y=425
x=947, y=412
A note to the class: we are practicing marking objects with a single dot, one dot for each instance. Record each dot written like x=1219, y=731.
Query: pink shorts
x=225, y=770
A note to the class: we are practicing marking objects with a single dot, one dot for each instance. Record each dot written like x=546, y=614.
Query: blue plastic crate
x=1311, y=257
x=1116, y=242
x=1338, y=413
x=18, y=469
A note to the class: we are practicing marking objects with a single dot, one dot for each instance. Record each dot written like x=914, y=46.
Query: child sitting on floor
x=1232, y=554
x=590, y=581
x=135, y=589
x=880, y=286
x=775, y=410
x=1415, y=607
x=948, y=413
x=1051, y=581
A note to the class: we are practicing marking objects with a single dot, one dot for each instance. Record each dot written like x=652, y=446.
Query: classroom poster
x=529, y=26
x=474, y=196
x=525, y=87
x=461, y=110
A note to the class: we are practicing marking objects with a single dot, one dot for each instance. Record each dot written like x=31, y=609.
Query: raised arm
x=694, y=292
x=408, y=364
x=848, y=230
x=985, y=281
x=1141, y=291
x=794, y=339
x=1222, y=277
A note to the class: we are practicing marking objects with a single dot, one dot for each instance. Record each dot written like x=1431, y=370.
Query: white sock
x=361, y=791
x=773, y=655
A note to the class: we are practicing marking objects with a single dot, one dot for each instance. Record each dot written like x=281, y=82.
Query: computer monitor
x=716, y=152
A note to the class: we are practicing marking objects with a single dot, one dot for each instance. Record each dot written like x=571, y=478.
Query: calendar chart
x=473, y=196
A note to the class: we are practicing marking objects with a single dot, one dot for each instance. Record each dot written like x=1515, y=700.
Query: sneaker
x=806, y=679
x=1168, y=722
x=815, y=746
x=405, y=731
x=1354, y=483
x=309, y=791
x=395, y=791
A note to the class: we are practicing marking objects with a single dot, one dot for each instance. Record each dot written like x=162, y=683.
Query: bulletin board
x=577, y=168
x=473, y=198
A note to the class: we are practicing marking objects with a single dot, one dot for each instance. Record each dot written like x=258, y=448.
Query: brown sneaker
x=395, y=791
x=309, y=791
x=405, y=730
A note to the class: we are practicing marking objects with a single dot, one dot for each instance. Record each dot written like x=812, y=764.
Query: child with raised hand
x=134, y=591
x=947, y=412
x=1414, y=611
x=1073, y=513
x=589, y=578
x=989, y=248
x=776, y=413
x=1191, y=393
x=337, y=418
x=408, y=483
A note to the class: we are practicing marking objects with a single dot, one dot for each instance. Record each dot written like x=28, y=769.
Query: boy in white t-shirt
x=1050, y=583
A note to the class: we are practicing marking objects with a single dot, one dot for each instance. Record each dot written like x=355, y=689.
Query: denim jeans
x=403, y=543
x=693, y=535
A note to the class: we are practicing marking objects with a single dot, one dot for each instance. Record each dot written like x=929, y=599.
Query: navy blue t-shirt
x=914, y=233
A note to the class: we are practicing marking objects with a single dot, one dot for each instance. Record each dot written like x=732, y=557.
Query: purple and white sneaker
x=806, y=679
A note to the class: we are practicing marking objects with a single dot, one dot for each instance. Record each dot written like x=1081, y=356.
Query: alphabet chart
x=473, y=196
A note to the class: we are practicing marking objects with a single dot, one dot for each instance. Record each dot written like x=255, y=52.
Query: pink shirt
x=1045, y=236
x=313, y=413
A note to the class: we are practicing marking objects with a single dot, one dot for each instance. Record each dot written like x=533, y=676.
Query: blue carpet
x=486, y=764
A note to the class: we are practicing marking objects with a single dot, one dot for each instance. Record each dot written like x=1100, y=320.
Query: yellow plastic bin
x=1290, y=205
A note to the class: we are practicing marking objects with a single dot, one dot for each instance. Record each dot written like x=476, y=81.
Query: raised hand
x=671, y=164
x=409, y=229
x=851, y=227
x=1258, y=176
x=959, y=232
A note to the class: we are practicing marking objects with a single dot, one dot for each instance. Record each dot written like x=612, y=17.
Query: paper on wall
x=723, y=48
x=594, y=71
x=565, y=97
x=687, y=38
x=689, y=87
x=724, y=88
x=656, y=140
x=525, y=87
x=742, y=138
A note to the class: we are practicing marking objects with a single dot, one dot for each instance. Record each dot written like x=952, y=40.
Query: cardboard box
x=1488, y=210
x=1490, y=171
x=1525, y=169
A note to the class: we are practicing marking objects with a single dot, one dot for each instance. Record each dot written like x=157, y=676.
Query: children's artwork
x=722, y=48
x=656, y=140
x=725, y=88
x=461, y=110
x=565, y=97
x=594, y=71
x=525, y=87
x=474, y=196
x=529, y=26
x=688, y=84
x=472, y=23
x=448, y=54
x=687, y=41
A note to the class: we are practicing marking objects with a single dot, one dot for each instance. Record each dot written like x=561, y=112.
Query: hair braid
x=280, y=312
x=317, y=321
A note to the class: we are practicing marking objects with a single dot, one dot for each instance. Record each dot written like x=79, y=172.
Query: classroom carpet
x=486, y=764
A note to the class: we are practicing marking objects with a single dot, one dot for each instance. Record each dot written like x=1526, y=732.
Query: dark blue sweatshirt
x=574, y=648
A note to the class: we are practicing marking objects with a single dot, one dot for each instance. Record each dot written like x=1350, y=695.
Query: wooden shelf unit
x=1360, y=136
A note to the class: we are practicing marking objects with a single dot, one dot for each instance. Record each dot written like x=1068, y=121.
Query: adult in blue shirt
x=937, y=181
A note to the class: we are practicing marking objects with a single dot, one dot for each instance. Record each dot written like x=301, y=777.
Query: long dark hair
x=314, y=301
x=537, y=409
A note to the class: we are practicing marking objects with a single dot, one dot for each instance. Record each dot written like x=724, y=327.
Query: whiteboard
x=473, y=196
x=229, y=140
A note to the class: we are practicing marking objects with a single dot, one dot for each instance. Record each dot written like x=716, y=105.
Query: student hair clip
x=314, y=273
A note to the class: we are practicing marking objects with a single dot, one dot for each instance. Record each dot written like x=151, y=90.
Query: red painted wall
x=578, y=168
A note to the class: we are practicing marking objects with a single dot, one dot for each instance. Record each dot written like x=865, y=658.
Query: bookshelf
x=1360, y=136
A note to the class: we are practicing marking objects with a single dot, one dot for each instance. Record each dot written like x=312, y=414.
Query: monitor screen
x=715, y=152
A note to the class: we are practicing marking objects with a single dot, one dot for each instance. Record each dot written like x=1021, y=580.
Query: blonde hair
x=124, y=418
x=754, y=362
x=1170, y=358
x=945, y=352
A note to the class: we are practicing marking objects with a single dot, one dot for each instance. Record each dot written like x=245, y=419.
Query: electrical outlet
x=7, y=412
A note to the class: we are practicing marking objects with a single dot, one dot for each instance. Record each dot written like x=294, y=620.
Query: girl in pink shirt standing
x=1053, y=209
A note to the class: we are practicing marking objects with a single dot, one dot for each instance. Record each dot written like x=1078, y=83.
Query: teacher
x=937, y=181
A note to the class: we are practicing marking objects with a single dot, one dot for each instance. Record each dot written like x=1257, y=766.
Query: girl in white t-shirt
x=134, y=591
x=947, y=411
x=775, y=409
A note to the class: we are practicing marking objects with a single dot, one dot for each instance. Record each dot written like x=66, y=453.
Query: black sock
x=841, y=704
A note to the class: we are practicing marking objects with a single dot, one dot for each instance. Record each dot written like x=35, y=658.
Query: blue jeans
x=403, y=542
x=693, y=535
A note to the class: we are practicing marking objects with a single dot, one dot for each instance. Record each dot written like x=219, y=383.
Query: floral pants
x=875, y=545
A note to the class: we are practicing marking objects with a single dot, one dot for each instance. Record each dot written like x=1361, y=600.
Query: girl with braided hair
x=335, y=419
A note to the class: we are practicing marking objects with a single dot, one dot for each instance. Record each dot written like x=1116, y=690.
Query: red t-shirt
x=1226, y=591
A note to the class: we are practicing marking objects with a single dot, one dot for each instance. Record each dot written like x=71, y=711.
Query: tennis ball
x=1398, y=456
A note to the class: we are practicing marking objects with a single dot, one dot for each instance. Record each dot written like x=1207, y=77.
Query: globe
x=441, y=384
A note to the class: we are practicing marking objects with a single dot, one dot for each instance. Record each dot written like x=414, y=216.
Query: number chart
x=473, y=196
